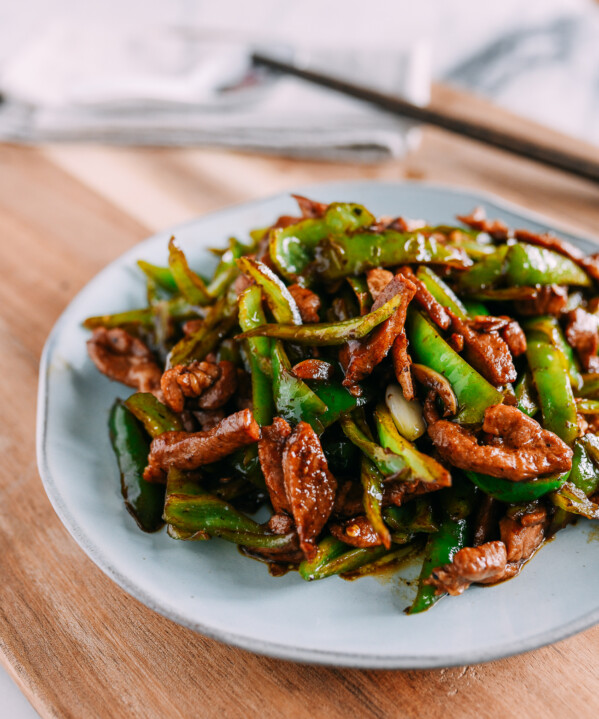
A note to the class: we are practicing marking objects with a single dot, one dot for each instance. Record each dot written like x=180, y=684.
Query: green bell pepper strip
x=551, y=327
x=226, y=270
x=179, y=482
x=440, y=549
x=386, y=461
x=441, y=291
x=337, y=257
x=486, y=273
x=390, y=560
x=590, y=386
x=424, y=467
x=585, y=473
x=177, y=308
x=454, y=533
x=372, y=499
x=516, y=492
x=475, y=308
x=337, y=399
x=416, y=517
x=549, y=369
x=144, y=500
x=525, y=395
x=251, y=315
x=327, y=551
x=292, y=248
x=203, y=512
x=190, y=284
x=278, y=297
x=229, y=351
x=473, y=392
x=360, y=288
x=333, y=558
x=162, y=276
x=294, y=400
x=327, y=333
x=142, y=317
x=245, y=463
x=531, y=265
x=573, y=500
x=219, y=321
x=155, y=416
x=591, y=444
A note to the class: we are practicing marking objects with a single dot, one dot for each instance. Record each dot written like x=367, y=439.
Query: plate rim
x=272, y=649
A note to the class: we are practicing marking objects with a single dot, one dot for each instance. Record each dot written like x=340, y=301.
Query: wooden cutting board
x=77, y=644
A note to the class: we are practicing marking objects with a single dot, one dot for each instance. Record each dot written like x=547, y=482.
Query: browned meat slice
x=242, y=282
x=591, y=265
x=192, y=326
x=208, y=419
x=484, y=564
x=360, y=357
x=401, y=364
x=582, y=334
x=124, y=358
x=307, y=302
x=429, y=304
x=487, y=352
x=189, y=380
x=189, y=451
x=310, y=208
x=550, y=300
x=438, y=385
x=488, y=323
x=513, y=335
x=398, y=492
x=402, y=224
x=219, y=393
x=477, y=219
x=270, y=453
x=349, y=499
x=309, y=485
x=357, y=532
x=377, y=279
x=486, y=520
x=518, y=448
x=550, y=242
x=522, y=536
x=285, y=221
x=456, y=341
x=313, y=369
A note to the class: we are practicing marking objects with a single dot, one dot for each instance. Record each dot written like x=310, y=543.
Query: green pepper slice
x=155, y=416
x=473, y=392
x=327, y=333
x=251, y=315
x=549, y=369
x=144, y=500
x=517, y=492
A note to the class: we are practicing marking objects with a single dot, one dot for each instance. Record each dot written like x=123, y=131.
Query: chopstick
x=574, y=164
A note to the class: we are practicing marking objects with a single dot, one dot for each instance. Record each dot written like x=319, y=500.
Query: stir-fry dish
x=372, y=388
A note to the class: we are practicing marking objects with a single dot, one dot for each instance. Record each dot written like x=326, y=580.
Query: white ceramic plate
x=209, y=586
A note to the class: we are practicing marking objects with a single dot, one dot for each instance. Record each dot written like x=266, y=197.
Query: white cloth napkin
x=169, y=87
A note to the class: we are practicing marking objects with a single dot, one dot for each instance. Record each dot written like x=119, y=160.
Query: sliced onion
x=407, y=416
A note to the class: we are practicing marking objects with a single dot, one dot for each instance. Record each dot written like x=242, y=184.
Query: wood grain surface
x=77, y=644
